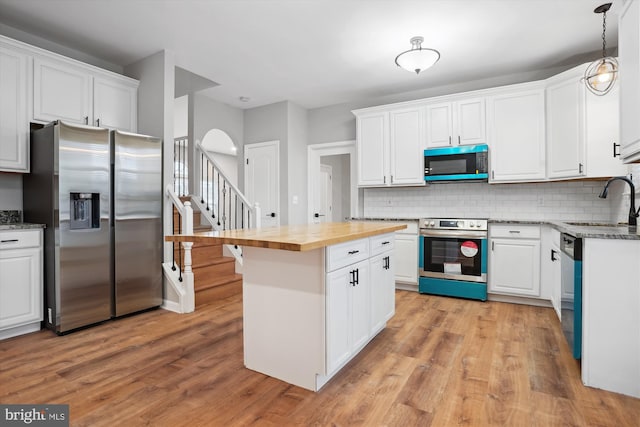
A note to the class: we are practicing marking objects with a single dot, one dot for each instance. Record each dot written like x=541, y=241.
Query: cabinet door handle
x=386, y=242
x=493, y=244
x=553, y=255
x=580, y=166
x=392, y=179
x=514, y=231
x=357, y=276
x=493, y=175
x=353, y=252
x=352, y=278
x=459, y=140
x=98, y=122
x=615, y=152
x=449, y=140
x=384, y=179
x=8, y=240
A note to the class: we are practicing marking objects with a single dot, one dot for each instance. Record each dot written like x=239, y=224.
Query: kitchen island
x=313, y=295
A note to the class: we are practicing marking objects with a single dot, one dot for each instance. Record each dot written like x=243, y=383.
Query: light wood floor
x=440, y=362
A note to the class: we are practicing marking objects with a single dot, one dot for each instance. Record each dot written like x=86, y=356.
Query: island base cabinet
x=283, y=314
x=611, y=315
x=348, y=308
x=306, y=315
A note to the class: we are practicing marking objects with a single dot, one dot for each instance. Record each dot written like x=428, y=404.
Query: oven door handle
x=465, y=234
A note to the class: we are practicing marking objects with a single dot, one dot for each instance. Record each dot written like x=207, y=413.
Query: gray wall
x=10, y=191
x=270, y=123
x=297, y=164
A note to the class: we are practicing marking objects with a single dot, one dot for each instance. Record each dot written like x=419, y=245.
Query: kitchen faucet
x=633, y=214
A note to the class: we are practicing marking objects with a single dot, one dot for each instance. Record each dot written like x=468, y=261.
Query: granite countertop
x=364, y=218
x=293, y=237
x=582, y=229
x=20, y=226
x=12, y=220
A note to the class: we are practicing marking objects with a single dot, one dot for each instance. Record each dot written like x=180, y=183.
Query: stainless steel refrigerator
x=99, y=193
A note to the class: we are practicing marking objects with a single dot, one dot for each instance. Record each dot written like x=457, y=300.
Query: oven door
x=454, y=255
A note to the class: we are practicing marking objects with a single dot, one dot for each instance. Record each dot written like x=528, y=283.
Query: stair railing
x=225, y=205
x=179, y=272
x=180, y=166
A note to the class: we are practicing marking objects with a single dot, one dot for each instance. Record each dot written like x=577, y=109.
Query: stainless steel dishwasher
x=571, y=297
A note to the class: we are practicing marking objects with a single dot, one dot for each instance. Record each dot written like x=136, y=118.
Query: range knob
x=460, y=224
x=471, y=224
x=432, y=224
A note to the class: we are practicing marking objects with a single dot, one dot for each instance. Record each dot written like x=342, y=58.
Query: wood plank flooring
x=440, y=362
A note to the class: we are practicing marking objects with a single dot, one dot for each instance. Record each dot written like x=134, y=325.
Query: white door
x=262, y=179
x=325, y=211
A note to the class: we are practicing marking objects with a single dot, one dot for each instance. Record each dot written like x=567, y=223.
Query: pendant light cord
x=604, y=31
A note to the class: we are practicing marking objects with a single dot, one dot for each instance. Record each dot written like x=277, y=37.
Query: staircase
x=215, y=276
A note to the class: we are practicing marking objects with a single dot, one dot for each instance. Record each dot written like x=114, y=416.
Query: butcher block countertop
x=294, y=237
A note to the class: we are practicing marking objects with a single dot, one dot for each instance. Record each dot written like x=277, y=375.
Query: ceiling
x=321, y=52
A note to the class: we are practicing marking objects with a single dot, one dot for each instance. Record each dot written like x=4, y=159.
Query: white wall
x=181, y=116
x=569, y=200
x=10, y=191
x=297, y=164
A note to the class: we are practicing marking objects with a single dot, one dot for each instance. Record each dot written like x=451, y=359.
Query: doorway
x=341, y=156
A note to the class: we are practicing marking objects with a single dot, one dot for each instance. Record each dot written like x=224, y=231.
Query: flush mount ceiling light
x=601, y=74
x=418, y=58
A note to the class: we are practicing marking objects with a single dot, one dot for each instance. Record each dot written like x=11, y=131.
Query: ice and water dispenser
x=85, y=211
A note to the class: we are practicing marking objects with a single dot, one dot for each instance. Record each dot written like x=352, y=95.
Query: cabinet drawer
x=347, y=253
x=412, y=228
x=516, y=231
x=20, y=239
x=381, y=243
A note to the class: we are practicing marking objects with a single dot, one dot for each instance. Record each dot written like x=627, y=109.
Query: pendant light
x=417, y=58
x=601, y=74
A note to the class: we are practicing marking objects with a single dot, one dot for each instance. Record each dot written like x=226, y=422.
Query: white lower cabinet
x=551, y=267
x=406, y=255
x=21, y=289
x=382, y=277
x=514, y=260
x=348, y=307
x=360, y=297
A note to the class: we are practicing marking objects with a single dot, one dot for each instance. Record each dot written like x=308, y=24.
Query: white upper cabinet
x=66, y=91
x=460, y=122
x=565, y=125
x=115, y=104
x=602, y=130
x=516, y=133
x=629, y=75
x=61, y=92
x=390, y=147
x=406, y=147
x=373, y=143
x=582, y=129
x=14, y=123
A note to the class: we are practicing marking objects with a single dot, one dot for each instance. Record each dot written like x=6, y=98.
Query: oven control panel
x=453, y=224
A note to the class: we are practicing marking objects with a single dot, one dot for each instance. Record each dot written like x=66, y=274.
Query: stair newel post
x=187, y=219
x=188, y=279
x=257, y=215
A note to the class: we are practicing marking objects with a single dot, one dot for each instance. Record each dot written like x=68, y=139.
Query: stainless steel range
x=453, y=257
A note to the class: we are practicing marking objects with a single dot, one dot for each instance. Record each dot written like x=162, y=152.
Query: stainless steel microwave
x=463, y=162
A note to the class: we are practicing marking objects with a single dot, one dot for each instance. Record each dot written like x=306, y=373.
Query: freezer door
x=137, y=233
x=82, y=229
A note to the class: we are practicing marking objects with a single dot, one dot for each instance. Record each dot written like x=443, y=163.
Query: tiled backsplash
x=567, y=200
x=10, y=216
